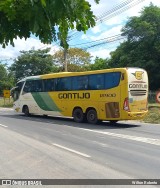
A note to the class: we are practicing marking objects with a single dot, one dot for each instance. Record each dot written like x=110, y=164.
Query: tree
x=33, y=62
x=20, y=18
x=142, y=47
x=99, y=63
x=6, y=81
x=77, y=59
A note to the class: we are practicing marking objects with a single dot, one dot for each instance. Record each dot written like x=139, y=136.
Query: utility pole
x=65, y=60
x=65, y=46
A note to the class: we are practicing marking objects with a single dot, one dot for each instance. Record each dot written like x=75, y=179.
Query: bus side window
x=49, y=85
x=38, y=87
x=80, y=83
x=100, y=81
x=96, y=81
x=63, y=84
x=112, y=79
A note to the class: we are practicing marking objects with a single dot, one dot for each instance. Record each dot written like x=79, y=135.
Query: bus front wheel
x=26, y=110
x=78, y=115
x=92, y=116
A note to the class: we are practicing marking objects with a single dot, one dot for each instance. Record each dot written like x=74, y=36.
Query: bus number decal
x=108, y=95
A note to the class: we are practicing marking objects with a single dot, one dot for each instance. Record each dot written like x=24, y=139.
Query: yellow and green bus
x=92, y=96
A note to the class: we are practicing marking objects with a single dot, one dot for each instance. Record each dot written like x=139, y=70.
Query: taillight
x=126, y=104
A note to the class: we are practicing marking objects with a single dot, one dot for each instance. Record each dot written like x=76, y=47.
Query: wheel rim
x=92, y=116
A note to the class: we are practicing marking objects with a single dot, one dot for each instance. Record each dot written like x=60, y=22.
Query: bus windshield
x=15, y=92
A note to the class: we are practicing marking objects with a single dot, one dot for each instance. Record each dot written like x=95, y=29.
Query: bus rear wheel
x=92, y=116
x=78, y=115
x=26, y=110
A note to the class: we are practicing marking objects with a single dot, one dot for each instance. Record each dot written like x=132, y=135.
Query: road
x=48, y=147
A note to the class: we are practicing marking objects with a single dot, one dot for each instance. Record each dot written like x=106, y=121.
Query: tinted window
x=96, y=81
x=63, y=84
x=19, y=85
x=80, y=83
x=33, y=86
x=29, y=86
x=112, y=79
x=38, y=87
x=49, y=85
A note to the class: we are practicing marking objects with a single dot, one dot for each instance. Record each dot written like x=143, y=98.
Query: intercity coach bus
x=92, y=96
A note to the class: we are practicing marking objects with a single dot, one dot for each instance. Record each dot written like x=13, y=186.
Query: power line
x=121, y=10
x=115, y=8
x=105, y=42
x=118, y=9
x=98, y=40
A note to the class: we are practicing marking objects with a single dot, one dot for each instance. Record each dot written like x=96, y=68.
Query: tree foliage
x=99, y=63
x=6, y=79
x=77, y=59
x=33, y=62
x=142, y=47
x=20, y=18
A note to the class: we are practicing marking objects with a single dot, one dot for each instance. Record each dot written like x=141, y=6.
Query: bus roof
x=64, y=74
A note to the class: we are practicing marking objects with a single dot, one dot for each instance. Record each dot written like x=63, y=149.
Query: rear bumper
x=137, y=115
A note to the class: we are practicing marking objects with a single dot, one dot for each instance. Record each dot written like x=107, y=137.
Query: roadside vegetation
x=153, y=115
x=6, y=103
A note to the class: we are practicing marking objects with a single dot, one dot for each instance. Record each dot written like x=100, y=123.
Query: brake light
x=126, y=104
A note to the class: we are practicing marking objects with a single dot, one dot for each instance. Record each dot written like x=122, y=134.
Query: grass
x=7, y=103
x=153, y=115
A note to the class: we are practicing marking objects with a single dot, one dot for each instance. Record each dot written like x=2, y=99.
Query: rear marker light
x=126, y=104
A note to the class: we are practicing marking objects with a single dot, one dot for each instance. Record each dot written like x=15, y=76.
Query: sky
x=113, y=18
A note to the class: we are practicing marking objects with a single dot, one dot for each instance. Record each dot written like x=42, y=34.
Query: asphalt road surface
x=50, y=148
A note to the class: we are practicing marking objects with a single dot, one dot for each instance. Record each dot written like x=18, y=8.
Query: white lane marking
x=101, y=144
x=6, y=109
x=71, y=150
x=129, y=137
x=3, y=126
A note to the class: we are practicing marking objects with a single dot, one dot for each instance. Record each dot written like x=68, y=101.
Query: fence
x=152, y=97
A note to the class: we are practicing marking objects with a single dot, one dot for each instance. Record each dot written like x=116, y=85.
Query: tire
x=92, y=116
x=113, y=122
x=78, y=115
x=26, y=111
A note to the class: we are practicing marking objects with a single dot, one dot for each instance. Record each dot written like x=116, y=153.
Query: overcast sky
x=110, y=26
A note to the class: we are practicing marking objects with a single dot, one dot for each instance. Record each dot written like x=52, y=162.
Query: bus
x=90, y=96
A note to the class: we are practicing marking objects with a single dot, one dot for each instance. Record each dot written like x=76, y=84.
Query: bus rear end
x=136, y=103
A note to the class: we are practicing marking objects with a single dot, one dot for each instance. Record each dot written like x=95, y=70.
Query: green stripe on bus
x=45, y=102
